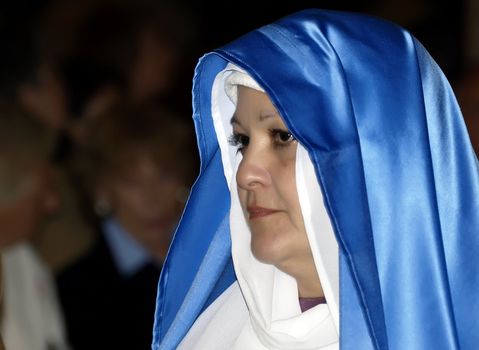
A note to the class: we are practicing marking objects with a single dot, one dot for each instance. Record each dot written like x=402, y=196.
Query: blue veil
x=398, y=174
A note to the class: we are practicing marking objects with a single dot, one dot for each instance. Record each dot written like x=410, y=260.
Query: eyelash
x=239, y=141
x=281, y=138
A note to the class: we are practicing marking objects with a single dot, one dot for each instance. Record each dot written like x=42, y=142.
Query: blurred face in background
x=33, y=200
x=468, y=98
x=45, y=98
x=143, y=196
x=152, y=73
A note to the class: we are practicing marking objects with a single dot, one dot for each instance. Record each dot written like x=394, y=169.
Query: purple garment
x=308, y=303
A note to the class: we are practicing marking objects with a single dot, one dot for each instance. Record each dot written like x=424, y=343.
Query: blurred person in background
x=30, y=75
x=107, y=51
x=467, y=91
x=137, y=167
x=125, y=51
x=30, y=316
x=2, y=347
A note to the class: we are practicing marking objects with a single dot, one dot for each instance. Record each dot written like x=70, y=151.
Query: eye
x=282, y=138
x=240, y=141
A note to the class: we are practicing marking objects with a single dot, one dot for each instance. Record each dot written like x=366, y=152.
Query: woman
x=372, y=151
x=30, y=314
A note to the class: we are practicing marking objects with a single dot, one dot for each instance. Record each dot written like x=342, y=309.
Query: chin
x=267, y=251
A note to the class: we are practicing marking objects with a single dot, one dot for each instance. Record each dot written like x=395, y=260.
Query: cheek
x=277, y=240
x=126, y=200
x=18, y=221
x=242, y=194
x=127, y=209
x=294, y=209
x=284, y=178
x=287, y=190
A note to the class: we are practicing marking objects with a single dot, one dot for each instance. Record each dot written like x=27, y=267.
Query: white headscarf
x=261, y=310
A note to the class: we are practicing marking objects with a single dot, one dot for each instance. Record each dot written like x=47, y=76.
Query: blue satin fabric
x=399, y=177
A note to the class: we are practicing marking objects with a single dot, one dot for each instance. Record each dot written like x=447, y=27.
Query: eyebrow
x=262, y=117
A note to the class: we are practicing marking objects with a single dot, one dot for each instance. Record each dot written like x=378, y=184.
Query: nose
x=253, y=172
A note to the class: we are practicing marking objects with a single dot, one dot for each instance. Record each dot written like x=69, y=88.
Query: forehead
x=252, y=98
x=253, y=104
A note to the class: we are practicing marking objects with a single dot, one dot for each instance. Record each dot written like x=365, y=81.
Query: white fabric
x=31, y=318
x=238, y=77
x=267, y=296
x=219, y=325
x=319, y=230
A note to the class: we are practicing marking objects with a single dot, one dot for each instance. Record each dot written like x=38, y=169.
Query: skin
x=44, y=98
x=267, y=190
x=133, y=191
x=468, y=98
x=153, y=71
x=20, y=218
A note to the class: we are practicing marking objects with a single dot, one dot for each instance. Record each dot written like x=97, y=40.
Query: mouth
x=259, y=212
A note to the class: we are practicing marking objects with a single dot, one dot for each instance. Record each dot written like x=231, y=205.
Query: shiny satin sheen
x=398, y=174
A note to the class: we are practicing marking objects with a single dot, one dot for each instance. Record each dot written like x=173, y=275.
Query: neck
x=310, y=288
x=306, y=276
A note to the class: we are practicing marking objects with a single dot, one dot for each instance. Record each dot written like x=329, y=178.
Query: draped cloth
x=262, y=310
x=399, y=179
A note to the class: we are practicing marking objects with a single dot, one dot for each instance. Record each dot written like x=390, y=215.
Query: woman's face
x=266, y=182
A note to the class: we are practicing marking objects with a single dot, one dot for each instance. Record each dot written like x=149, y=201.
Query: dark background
x=439, y=24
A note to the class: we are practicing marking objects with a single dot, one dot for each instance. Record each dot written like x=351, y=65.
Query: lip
x=256, y=212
